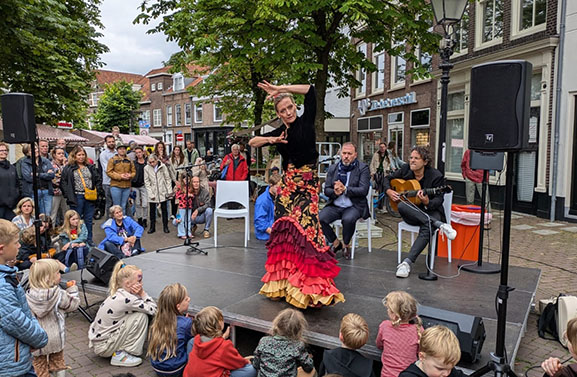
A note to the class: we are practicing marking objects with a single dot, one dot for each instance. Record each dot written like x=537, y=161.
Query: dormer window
x=178, y=82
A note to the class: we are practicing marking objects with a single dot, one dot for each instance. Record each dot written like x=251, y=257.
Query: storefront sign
x=385, y=103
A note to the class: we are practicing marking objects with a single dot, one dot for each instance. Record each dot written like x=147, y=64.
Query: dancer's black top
x=431, y=178
x=301, y=148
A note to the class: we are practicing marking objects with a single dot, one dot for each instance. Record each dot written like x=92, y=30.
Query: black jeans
x=427, y=227
x=114, y=249
x=348, y=217
x=163, y=209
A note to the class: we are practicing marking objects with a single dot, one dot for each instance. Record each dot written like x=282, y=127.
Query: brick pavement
x=550, y=253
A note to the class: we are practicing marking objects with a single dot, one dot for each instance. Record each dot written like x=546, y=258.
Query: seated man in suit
x=429, y=215
x=346, y=186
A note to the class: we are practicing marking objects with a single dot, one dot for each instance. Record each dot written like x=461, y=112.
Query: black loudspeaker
x=469, y=330
x=100, y=263
x=487, y=160
x=499, y=106
x=18, y=118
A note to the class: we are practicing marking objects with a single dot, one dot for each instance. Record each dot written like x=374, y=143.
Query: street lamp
x=447, y=14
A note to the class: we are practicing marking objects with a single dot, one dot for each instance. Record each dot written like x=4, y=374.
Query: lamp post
x=447, y=14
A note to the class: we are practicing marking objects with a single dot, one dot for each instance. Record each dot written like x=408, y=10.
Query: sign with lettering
x=385, y=103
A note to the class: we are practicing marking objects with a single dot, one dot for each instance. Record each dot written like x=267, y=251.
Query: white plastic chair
x=413, y=229
x=338, y=225
x=234, y=192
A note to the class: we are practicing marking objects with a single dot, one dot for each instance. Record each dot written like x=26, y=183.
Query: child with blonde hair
x=552, y=366
x=213, y=355
x=398, y=336
x=48, y=302
x=120, y=326
x=73, y=237
x=439, y=352
x=20, y=331
x=170, y=332
x=345, y=360
x=284, y=352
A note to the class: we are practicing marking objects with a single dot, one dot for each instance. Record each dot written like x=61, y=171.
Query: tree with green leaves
x=291, y=41
x=49, y=49
x=118, y=106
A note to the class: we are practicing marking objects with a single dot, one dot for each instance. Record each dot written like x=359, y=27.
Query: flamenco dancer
x=300, y=267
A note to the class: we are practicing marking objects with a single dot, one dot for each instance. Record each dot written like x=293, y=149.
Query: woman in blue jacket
x=264, y=209
x=122, y=234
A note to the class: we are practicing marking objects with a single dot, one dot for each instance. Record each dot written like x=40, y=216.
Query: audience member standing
x=59, y=206
x=131, y=147
x=61, y=143
x=200, y=171
x=379, y=167
x=44, y=149
x=11, y=189
x=121, y=172
x=237, y=168
x=161, y=153
x=473, y=181
x=45, y=175
x=76, y=177
x=158, y=186
x=108, y=152
x=190, y=153
x=138, y=188
x=117, y=138
x=177, y=160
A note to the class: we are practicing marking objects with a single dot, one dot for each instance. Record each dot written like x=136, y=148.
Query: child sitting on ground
x=345, y=360
x=552, y=366
x=213, y=355
x=28, y=253
x=19, y=330
x=264, y=209
x=398, y=337
x=439, y=352
x=48, y=302
x=170, y=332
x=120, y=327
x=284, y=351
x=73, y=237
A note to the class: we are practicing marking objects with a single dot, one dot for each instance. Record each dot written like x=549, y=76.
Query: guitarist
x=418, y=168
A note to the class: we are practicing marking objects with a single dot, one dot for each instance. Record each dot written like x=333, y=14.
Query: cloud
x=131, y=49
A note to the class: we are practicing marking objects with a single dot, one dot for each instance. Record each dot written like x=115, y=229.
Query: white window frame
x=153, y=87
x=216, y=106
x=94, y=98
x=397, y=126
x=146, y=116
x=394, y=83
x=187, y=114
x=178, y=82
x=169, y=116
x=178, y=115
x=461, y=40
x=457, y=114
x=197, y=107
x=375, y=76
x=479, y=25
x=516, y=31
x=426, y=79
x=157, y=114
x=361, y=74
x=159, y=86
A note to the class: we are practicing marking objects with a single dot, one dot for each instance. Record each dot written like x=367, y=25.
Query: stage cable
x=526, y=374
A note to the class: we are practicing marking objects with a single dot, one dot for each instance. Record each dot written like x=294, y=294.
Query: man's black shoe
x=337, y=248
x=347, y=253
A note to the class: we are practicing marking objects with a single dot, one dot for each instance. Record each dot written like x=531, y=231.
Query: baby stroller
x=100, y=204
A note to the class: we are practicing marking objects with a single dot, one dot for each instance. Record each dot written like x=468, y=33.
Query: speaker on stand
x=499, y=122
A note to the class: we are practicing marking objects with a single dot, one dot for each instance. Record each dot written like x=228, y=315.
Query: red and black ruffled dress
x=299, y=265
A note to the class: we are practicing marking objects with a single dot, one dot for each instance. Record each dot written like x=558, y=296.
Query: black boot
x=152, y=228
x=139, y=221
x=165, y=228
x=144, y=223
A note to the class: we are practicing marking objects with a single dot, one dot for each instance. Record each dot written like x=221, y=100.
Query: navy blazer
x=357, y=189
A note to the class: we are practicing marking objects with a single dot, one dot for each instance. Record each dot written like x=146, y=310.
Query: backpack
x=548, y=320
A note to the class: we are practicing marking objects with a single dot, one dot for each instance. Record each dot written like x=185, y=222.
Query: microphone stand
x=188, y=241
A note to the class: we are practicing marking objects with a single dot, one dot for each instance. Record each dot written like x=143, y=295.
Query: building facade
x=493, y=30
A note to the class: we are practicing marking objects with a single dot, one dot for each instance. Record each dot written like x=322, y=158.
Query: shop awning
x=50, y=133
x=98, y=137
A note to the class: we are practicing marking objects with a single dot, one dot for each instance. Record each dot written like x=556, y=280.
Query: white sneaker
x=124, y=359
x=448, y=230
x=403, y=270
x=60, y=373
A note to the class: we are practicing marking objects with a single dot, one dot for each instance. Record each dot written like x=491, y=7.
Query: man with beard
x=346, y=186
x=429, y=215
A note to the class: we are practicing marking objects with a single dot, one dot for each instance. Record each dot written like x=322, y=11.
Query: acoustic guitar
x=409, y=188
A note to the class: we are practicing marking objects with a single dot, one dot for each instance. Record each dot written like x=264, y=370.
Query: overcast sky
x=131, y=49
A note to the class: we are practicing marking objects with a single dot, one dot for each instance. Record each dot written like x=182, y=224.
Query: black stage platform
x=229, y=278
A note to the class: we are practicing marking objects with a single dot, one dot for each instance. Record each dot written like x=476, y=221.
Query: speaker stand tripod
x=192, y=246
x=480, y=268
x=498, y=363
